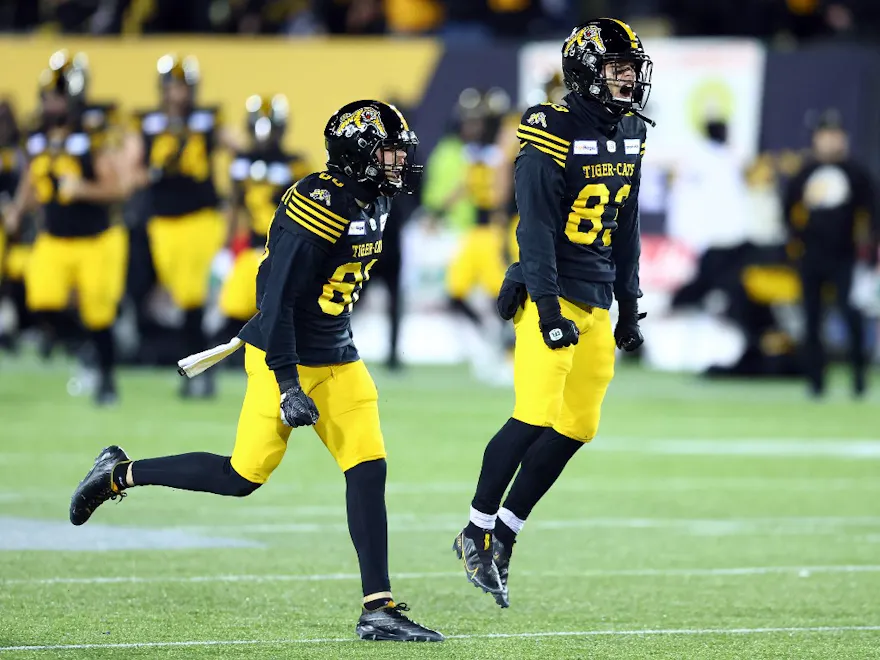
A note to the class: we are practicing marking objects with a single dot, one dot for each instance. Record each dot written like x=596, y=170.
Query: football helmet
x=593, y=45
x=357, y=137
x=171, y=67
x=267, y=116
x=68, y=77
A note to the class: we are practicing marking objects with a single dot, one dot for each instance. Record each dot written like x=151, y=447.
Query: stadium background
x=766, y=94
x=708, y=519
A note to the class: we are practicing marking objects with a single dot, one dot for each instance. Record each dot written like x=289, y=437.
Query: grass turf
x=710, y=520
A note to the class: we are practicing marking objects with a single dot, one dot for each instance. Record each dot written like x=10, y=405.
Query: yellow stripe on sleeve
x=313, y=206
x=549, y=137
x=556, y=159
x=309, y=224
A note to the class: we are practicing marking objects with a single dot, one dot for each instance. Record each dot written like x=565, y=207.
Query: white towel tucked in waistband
x=192, y=365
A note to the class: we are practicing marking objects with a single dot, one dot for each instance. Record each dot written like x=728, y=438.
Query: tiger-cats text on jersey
x=320, y=249
x=259, y=179
x=577, y=181
x=56, y=155
x=178, y=155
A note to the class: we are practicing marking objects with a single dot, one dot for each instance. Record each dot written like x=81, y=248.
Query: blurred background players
x=830, y=212
x=461, y=188
x=169, y=152
x=72, y=178
x=13, y=251
x=259, y=176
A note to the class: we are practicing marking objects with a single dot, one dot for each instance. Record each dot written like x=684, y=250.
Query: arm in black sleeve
x=294, y=262
x=626, y=246
x=540, y=187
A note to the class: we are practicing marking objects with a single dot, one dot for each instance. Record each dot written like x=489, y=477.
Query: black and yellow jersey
x=259, y=179
x=577, y=182
x=54, y=157
x=482, y=162
x=178, y=154
x=325, y=237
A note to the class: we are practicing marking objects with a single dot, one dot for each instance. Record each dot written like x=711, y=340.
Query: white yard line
x=449, y=523
x=800, y=571
x=524, y=635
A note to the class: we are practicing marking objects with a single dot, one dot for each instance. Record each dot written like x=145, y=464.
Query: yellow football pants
x=479, y=262
x=15, y=263
x=183, y=248
x=238, y=297
x=348, y=426
x=93, y=266
x=563, y=389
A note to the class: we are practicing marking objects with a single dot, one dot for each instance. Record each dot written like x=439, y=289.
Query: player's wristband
x=628, y=309
x=286, y=377
x=548, y=308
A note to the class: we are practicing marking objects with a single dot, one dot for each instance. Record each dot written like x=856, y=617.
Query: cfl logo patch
x=556, y=334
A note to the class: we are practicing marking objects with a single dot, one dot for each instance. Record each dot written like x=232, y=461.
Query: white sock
x=511, y=520
x=483, y=520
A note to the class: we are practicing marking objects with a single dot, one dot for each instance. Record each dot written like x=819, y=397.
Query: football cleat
x=501, y=555
x=479, y=568
x=97, y=486
x=390, y=624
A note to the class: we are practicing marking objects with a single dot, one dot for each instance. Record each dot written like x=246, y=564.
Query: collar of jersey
x=358, y=190
x=596, y=113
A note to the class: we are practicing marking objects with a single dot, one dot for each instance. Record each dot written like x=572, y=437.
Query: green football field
x=707, y=520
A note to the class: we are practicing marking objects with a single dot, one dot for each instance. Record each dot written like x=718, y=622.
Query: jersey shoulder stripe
x=546, y=128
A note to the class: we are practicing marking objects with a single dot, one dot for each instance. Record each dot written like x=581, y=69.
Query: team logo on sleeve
x=537, y=118
x=580, y=38
x=358, y=121
x=321, y=195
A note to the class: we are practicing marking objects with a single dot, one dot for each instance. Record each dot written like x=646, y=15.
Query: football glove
x=511, y=297
x=558, y=331
x=627, y=334
x=297, y=408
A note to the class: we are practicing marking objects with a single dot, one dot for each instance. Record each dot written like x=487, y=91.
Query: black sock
x=476, y=533
x=193, y=336
x=541, y=466
x=460, y=306
x=376, y=604
x=504, y=534
x=118, y=477
x=368, y=523
x=104, y=347
x=199, y=471
x=500, y=460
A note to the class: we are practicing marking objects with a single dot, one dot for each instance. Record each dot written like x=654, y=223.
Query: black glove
x=511, y=297
x=297, y=408
x=627, y=333
x=557, y=330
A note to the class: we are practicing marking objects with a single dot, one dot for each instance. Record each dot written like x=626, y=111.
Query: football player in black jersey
x=302, y=365
x=577, y=183
x=170, y=151
x=259, y=175
x=72, y=179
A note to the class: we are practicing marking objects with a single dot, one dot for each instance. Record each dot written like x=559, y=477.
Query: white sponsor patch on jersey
x=612, y=146
x=631, y=146
x=586, y=147
x=357, y=228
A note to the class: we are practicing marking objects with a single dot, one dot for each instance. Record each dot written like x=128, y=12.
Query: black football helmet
x=356, y=137
x=267, y=117
x=593, y=45
x=171, y=67
x=67, y=76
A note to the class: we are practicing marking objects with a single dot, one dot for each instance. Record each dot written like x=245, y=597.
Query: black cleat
x=501, y=555
x=389, y=624
x=479, y=568
x=97, y=486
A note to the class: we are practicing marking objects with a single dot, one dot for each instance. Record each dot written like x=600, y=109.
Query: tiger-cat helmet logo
x=580, y=38
x=358, y=121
